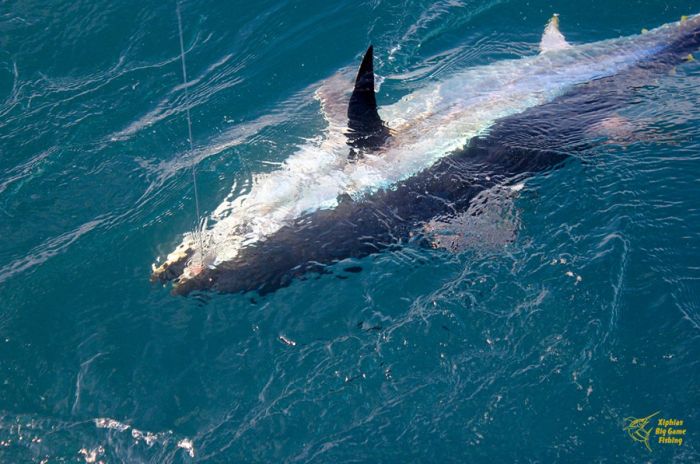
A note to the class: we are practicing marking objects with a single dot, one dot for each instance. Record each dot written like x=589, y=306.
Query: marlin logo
x=639, y=429
x=380, y=178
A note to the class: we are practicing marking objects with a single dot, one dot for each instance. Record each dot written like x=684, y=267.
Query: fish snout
x=174, y=264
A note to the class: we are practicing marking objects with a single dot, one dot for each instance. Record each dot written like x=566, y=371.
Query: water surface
x=533, y=350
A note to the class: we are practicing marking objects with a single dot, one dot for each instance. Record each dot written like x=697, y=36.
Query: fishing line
x=198, y=230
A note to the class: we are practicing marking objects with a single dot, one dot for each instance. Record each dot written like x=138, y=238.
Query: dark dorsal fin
x=366, y=129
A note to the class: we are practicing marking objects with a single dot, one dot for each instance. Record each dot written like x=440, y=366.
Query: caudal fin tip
x=552, y=38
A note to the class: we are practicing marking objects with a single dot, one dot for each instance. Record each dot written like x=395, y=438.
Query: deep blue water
x=531, y=351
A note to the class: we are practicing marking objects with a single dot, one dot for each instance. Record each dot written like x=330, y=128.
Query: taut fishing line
x=198, y=231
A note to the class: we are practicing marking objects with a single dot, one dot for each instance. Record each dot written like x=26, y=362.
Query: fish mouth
x=193, y=277
x=183, y=287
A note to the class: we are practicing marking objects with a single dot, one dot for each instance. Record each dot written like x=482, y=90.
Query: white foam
x=187, y=445
x=149, y=438
x=91, y=455
x=107, y=423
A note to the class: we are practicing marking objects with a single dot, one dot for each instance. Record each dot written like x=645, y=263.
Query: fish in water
x=381, y=177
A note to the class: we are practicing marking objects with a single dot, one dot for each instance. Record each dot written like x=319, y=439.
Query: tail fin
x=367, y=131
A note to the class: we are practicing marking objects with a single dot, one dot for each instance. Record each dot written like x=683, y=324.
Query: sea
x=577, y=340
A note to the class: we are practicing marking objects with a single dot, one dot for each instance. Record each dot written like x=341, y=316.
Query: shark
x=409, y=173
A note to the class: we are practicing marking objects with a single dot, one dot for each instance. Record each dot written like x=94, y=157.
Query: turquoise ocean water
x=536, y=350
